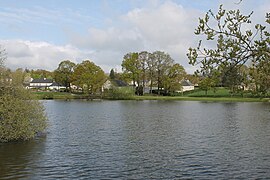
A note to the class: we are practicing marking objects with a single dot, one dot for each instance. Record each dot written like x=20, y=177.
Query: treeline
x=155, y=69
x=86, y=75
x=141, y=69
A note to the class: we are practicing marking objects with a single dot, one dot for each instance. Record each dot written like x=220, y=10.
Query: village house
x=43, y=83
x=56, y=86
x=187, y=86
x=109, y=84
x=40, y=83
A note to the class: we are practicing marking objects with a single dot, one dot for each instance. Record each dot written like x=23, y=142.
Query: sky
x=38, y=34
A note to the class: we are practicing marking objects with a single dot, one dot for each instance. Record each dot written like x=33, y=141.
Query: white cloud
x=168, y=24
x=43, y=55
x=111, y=39
x=39, y=55
x=167, y=27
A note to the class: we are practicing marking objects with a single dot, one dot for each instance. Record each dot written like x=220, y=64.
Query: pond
x=145, y=140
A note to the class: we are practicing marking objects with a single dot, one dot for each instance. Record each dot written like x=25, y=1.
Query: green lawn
x=54, y=95
x=221, y=94
x=186, y=98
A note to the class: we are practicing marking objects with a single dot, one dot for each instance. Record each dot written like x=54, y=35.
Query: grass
x=219, y=92
x=217, y=99
x=55, y=95
x=221, y=95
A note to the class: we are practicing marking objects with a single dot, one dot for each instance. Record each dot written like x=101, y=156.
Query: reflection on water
x=145, y=140
x=17, y=158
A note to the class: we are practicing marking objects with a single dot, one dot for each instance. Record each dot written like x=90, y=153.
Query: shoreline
x=212, y=99
x=69, y=96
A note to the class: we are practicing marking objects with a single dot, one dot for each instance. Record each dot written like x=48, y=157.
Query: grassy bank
x=217, y=99
x=56, y=95
x=63, y=95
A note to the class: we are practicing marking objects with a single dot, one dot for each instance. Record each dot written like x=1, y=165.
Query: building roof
x=56, y=84
x=186, y=83
x=119, y=83
x=42, y=80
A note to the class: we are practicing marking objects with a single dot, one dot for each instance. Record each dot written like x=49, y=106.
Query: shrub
x=21, y=117
x=48, y=95
x=121, y=93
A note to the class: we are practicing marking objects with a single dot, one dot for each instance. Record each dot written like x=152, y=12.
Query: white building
x=44, y=83
x=41, y=83
x=56, y=86
x=187, y=86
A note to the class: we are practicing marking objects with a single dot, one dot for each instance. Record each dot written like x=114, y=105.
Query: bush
x=121, y=93
x=21, y=117
x=48, y=95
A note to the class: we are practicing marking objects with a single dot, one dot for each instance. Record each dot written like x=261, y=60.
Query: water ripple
x=145, y=140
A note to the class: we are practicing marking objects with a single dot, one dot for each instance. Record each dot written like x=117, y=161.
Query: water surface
x=145, y=140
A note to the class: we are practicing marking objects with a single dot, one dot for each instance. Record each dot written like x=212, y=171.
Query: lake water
x=145, y=140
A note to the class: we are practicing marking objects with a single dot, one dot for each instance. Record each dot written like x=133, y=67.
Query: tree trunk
x=151, y=85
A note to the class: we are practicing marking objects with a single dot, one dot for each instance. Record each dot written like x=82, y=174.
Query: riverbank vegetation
x=220, y=94
x=21, y=117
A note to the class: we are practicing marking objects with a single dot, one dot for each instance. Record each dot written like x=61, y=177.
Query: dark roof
x=186, y=83
x=55, y=84
x=42, y=80
x=119, y=83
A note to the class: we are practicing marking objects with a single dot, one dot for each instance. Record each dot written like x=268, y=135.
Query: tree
x=231, y=77
x=89, y=76
x=151, y=69
x=143, y=59
x=163, y=63
x=207, y=83
x=158, y=68
x=63, y=74
x=131, y=67
x=172, y=80
x=18, y=76
x=27, y=78
x=260, y=76
x=235, y=44
x=112, y=74
x=41, y=73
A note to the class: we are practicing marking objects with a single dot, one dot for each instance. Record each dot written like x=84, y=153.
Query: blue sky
x=40, y=34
